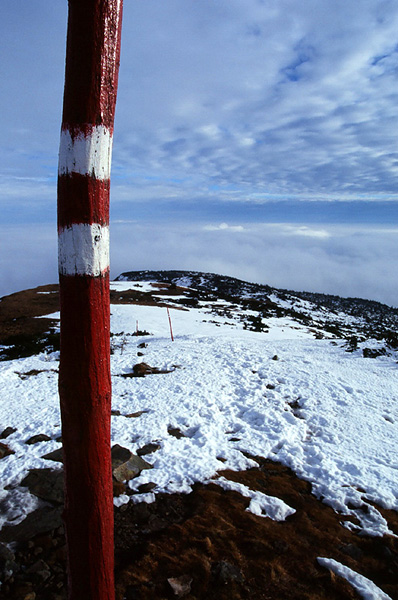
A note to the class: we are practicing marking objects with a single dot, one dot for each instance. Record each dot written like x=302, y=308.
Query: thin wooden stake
x=171, y=328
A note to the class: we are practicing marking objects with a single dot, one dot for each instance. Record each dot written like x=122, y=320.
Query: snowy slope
x=230, y=392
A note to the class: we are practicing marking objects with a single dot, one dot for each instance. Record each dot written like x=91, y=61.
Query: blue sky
x=253, y=138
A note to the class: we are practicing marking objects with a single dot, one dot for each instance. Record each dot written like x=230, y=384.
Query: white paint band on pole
x=86, y=154
x=83, y=250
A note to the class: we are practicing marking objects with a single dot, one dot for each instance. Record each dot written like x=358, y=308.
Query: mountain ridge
x=379, y=320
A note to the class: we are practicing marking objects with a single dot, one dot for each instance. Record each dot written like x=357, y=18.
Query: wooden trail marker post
x=92, y=63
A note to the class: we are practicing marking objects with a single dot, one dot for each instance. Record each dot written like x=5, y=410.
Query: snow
x=329, y=415
x=366, y=588
x=260, y=504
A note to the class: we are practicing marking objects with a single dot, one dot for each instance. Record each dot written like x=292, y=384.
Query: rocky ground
x=206, y=545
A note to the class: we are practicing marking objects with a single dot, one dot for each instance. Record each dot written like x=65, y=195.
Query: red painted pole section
x=92, y=63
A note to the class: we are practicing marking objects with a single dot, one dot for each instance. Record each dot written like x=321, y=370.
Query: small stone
x=56, y=455
x=44, y=519
x=145, y=488
x=5, y=450
x=181, y=586
x=225, y=572
x=130, y=469
x=7, y=563
x=175, y=432
x=275, y=357
x=24, y=591
x=46, y=484
x=142, y=369
x=135, y=415
x=118, y=488
x=41, y=437
x=7, y=431
x=147, y=449
x=119, y=455
x=40, y=567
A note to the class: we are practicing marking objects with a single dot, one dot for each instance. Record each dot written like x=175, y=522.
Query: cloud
x=304, y=230
x=264, y=101
x=278, y=98
x=350, y=261
x=228, y=112
x=356, y=262
x=224, y=227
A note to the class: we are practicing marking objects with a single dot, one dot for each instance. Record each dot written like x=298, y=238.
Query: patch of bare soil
x=23, y=334
x=206, y=545
x=18, y=312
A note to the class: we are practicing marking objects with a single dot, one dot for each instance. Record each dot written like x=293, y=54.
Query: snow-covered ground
x=330, y=415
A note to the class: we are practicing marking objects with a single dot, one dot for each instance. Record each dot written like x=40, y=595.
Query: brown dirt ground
x=18, y=311
x=208, y=536
x=226, y=552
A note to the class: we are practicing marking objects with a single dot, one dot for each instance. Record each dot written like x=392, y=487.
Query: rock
x=5, y=450
x=142, y=369
x=46, y=484
x=135, y=415
x=56, y=455
x=8, y=565
x=41, y=437
x=373, y=352
x=142, y=345
x=130, y=469
x=118, y=488
x=119, y=455
x=7, y=431
x=42, y=520
x=224, y=572
x=147, y=449
x=181, y=586
x=145, y=488
x=275, y=357
x=175, y=432
x=41, y=569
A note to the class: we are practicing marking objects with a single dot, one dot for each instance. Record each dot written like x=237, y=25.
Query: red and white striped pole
x=92, y=63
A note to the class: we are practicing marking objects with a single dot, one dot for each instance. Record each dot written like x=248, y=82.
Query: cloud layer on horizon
x=346, y=261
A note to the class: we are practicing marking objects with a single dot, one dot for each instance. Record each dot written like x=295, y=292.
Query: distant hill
x=343, y=317
x=250, y=305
